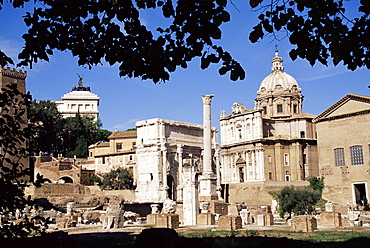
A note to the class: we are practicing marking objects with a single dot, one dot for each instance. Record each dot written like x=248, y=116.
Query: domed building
x=274, y=141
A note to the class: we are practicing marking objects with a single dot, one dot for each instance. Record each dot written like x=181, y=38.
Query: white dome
x=277, y=77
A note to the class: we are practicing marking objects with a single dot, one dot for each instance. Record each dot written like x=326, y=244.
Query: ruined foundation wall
x=256, y=193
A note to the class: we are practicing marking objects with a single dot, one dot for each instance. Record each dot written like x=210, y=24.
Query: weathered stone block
x=232, y=209
x=229, y=222
x=218, y=207
x=168, y=221
x=333, y=219
x=206, y=219
x=304, y=223
x=261, y=220
x=151, y=219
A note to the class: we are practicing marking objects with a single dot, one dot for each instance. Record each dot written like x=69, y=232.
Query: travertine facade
x=79, y=100
x=119, y=152
x=344, y=149
x=169, y=160
x=275, y=141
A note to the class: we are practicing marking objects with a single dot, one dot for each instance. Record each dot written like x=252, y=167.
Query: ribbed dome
x=277, y=77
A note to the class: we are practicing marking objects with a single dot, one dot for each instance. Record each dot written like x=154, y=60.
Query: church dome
x=278, y=78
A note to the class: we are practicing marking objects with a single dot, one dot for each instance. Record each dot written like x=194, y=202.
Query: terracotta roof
x=101, y=144
x=123, y=134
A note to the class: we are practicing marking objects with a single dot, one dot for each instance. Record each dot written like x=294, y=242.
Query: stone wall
x=57, y=189
x=128, y=195
x=344, y=130
x=256, y=193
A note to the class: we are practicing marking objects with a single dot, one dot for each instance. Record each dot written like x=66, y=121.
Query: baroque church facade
x=275, y=141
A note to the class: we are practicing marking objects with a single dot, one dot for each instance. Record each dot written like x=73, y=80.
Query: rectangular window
x=103, y=160
x=119, y=146
x=264, y=110
x=356, y=155
x=304, y=159
x=269, y=159
x=339, y=157
x=286, y=159
x=270, y=175
x=280, y=108
x=303, y=134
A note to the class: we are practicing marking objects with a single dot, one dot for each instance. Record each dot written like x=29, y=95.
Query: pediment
x=240, y=160
x=348, y=105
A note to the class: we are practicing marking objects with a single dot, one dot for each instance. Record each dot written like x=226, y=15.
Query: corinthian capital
x=207, y=99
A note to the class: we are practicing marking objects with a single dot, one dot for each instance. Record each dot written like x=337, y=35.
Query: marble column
x=207, y=134
x=207, y=181
x=180, y=172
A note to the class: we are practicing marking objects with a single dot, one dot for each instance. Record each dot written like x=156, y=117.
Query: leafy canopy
x=319, y=29
x=111, y=31
x=117, y=179
x=71, y=136
x=297, y=200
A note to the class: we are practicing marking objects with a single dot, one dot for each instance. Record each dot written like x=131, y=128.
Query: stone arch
x=46, y=180
x=66, y=179
x=171, y=187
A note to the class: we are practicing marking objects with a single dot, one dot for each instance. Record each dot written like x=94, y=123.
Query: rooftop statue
x=80, y=86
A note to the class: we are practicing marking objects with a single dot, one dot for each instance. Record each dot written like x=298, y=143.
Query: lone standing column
x=208, y=180
x=207, y=134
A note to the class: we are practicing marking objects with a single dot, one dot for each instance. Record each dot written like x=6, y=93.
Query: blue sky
x=124, y=101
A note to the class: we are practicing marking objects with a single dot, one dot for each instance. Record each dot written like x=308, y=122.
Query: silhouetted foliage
x=111, y=31
x=319, y=29
x=14, y=170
